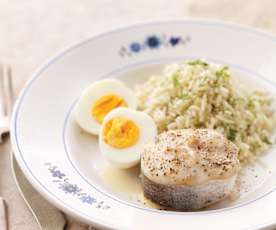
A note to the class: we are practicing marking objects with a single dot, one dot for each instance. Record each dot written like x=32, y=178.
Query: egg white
x=130, y=156
x=82, y=110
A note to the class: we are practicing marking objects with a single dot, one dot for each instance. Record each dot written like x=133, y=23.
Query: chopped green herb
x=250, y=103
x=231, y=134
x=243, y=136
x=266, y=140
x=198, y=62
x=223, y=72
x=233, y=101
x=184, y=96
x=204, y=79
x=223, y=69
x=176, y=82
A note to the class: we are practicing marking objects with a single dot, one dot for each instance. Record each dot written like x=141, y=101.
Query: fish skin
x=186, y=197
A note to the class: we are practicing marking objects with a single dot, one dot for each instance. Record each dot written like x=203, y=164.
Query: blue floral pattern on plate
x=73, y=189
x=153, y=42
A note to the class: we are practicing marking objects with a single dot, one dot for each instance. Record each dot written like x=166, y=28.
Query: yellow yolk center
x=105, y=104
x=120, y=132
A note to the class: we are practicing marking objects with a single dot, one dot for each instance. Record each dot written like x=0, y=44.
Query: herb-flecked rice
x=196, y=94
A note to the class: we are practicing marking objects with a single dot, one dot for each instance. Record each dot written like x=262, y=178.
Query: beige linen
x=32, y=31
x=3, y=222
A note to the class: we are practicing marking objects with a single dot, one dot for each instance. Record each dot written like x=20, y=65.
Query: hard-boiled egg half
x=98, y=100
x=123, y=134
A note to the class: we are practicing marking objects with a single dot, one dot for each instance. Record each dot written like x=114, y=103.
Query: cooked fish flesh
x=189, y=169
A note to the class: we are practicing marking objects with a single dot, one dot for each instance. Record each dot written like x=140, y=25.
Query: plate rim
x=27, y=172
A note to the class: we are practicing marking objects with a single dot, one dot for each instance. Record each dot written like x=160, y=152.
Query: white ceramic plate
x=65, y=165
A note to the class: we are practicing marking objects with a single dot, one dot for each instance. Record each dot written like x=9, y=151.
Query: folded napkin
x=3, y=220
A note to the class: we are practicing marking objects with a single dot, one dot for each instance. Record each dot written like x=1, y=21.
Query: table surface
x=32, y=31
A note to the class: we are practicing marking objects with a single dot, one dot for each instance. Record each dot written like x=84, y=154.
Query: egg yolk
x=105, y=104
x=120, y=132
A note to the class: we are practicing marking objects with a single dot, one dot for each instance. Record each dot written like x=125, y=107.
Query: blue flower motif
x=64, y=184
x=69, y=188
x=88, y=199
x=153, y=42
x=135, y=47
x=57, y=173
x=174, y=40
